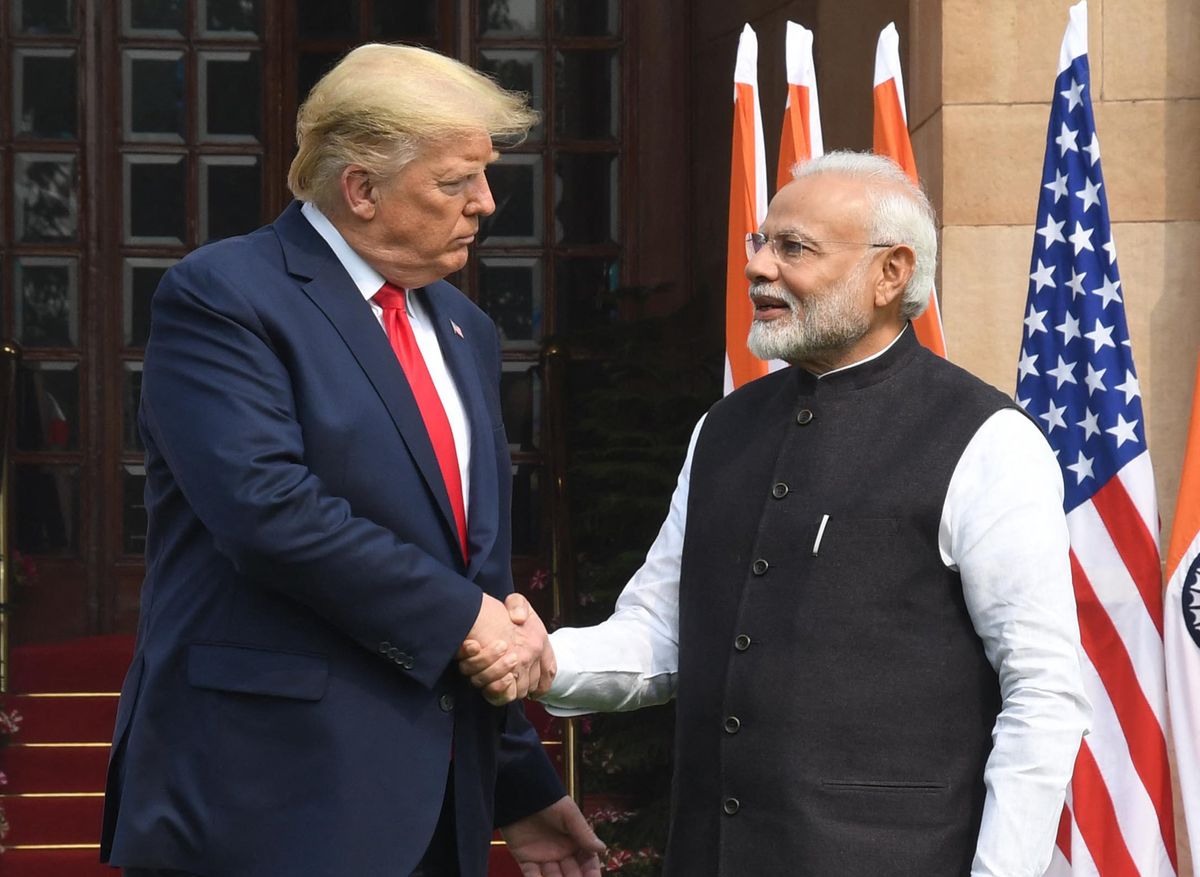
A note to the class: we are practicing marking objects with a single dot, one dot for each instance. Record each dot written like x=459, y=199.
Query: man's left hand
x=555, y=842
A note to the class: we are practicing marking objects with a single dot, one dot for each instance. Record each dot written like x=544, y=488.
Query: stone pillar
x=980, y=85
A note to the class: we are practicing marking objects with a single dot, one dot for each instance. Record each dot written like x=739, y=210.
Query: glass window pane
x=521, y=404
x=165, y=17
x=228, y=18
x=133, y=509
x=44, y=16
x=131, y=398
x=516, y=184
x=585, y=198
x=155, y=202
x=410, y=21
x=526, y=509
x=586, y=87
x=510, y=290
x=48, y=406
x=48, y=497
x=327, y=19
x=312, y=66
x=44, y=94
x=154, y=95
x=230, y=196
x=583, y=294
x=47, y=201
x=595, y=18
x=229, y=96
x=47, y=302
x=519, y=70
x=141, y=279
x=508, y=18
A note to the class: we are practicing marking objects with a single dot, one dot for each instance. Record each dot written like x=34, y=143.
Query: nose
x=762, y=266
x=481, y=201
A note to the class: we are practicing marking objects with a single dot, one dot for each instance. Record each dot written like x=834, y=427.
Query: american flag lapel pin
x=457, y=330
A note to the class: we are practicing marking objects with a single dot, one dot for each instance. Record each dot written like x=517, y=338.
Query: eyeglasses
x=790, y=248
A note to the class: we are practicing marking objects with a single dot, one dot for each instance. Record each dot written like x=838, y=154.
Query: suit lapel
x=331, y=289
x=462, y=360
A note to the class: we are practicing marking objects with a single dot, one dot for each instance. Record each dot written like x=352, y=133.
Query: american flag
x=1076, y=377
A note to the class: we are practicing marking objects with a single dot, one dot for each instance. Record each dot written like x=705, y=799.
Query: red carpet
x=67, y=696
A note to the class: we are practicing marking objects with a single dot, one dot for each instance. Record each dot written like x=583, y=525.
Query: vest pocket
x=884, y=786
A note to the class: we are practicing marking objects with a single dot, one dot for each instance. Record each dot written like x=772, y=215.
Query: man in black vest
x=861, y=597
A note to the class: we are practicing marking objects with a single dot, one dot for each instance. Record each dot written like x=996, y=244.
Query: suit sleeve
x=526, y=781
x=217, y=403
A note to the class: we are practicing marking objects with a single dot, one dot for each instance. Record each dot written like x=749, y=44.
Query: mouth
x=769, y=307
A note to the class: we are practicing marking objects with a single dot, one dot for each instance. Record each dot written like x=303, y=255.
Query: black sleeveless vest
x=835, y=706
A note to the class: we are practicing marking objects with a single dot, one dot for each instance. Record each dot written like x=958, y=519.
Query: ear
x=897, y=270
x=359, y=193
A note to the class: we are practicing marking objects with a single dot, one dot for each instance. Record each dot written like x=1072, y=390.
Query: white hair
x=900, y=214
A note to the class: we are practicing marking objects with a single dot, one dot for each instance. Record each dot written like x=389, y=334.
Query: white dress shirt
x=369, y=281
x=1003, y=529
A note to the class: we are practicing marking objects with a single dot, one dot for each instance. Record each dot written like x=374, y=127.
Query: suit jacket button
x=760, y=567
x=804, y=417
x=408, y=663
x=779, y=491
x=741, y=642
x=731, y=806
x=446, y=702
x=384, y=646
x=732, y=725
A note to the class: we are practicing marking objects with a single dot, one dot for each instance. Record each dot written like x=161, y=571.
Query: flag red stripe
x=1063, y=840
x=1143, y=734
x=1097, y=819
x=1135, y=544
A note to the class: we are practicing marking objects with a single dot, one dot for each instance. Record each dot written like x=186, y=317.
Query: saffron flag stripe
x=1117, y=592
x=891, y=139
x=747, y=209
x=1076, y=377
x=1137, y=814
x=1097, y=819
x=802, y=137
x=1138, y=549
x=1143, y=734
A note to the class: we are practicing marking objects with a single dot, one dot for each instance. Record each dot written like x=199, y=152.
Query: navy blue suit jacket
x=293, y=704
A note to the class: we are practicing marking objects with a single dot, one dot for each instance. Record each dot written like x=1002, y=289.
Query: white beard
x=823, y=322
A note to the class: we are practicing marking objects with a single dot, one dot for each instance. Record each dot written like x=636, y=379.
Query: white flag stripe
x=1183, y=686
x=1137, y=477
x=1082, y=864
x=1135, y=810
x=798, y=47
x=887, y=63
x=1059, y=866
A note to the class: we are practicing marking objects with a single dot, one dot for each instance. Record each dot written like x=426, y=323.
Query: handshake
x=507, y=651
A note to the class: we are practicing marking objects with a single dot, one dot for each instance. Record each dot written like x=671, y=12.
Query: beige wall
x=981, y=75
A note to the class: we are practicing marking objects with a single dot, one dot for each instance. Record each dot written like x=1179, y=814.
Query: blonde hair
x=382, y=104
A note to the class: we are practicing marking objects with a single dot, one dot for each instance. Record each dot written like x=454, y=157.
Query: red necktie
x=400, y=333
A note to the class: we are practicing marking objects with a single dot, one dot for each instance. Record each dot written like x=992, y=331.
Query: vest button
x=779, y=491
x=760, y=567
x=804, y=418
x=446, y=702
x=742, y=642
x=732, y=725
x=731, y=806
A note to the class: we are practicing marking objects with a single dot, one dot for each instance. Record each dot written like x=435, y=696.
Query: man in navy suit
x=328, y=488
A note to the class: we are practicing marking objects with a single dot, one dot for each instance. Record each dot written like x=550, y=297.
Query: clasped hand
x=507, y=653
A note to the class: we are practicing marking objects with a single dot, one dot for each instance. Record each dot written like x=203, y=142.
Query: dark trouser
x=440, y=859
x=441, y=856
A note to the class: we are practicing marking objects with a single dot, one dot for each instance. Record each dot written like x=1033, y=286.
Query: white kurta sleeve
x=632, y=659
x=1004, y=530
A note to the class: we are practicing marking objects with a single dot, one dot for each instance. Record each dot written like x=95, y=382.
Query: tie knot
x=390, y=297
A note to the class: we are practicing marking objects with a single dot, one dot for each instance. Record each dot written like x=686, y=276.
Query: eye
x=456, y=186
x=789, y=247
